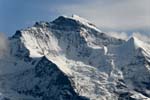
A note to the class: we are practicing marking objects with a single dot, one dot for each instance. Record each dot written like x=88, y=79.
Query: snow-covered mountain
x=71, y=59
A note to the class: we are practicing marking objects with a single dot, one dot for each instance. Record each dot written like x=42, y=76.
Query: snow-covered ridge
x=83, y=21
x=136, y=43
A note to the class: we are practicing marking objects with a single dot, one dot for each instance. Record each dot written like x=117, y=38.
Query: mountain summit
x=71, y=59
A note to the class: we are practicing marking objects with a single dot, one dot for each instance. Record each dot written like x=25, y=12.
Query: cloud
x=112, y=14
x=3, y=45
x=142, y=37
x=118, y=35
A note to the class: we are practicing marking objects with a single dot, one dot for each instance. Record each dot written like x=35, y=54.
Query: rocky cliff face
x=70, y=59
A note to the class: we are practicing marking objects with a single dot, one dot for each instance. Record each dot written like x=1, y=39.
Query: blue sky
x=109, y=15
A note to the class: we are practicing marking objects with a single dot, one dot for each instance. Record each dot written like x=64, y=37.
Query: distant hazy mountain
x=70, y=59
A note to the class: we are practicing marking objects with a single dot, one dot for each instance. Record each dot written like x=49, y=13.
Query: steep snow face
x=132, y=59
x=92, y=64
x=44, y=82
x=69, y=37
x=17, y=58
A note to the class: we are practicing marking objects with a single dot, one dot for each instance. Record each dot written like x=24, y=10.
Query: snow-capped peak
x=137, y=43
x=76, y=17
x=82, y=21
x=85, y=22
x=67, y=58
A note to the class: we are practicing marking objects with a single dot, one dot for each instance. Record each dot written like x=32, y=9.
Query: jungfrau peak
x=71, y=59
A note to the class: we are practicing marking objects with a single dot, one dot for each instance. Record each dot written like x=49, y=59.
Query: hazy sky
x=109, y=15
